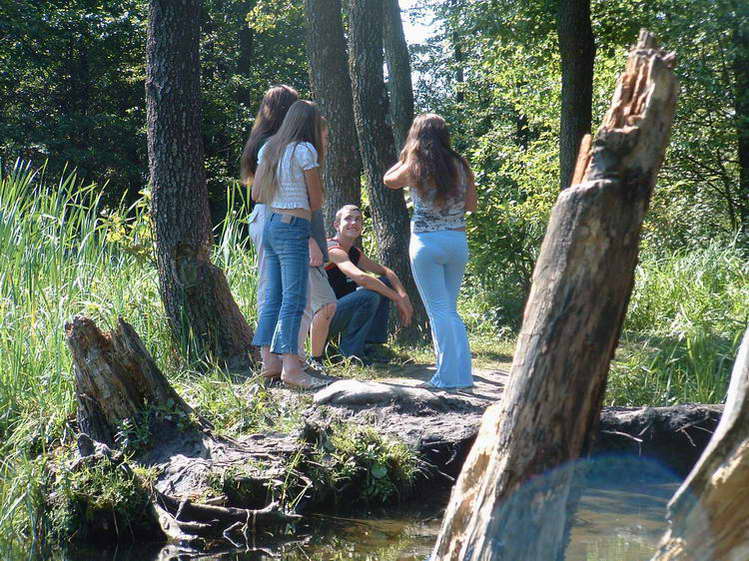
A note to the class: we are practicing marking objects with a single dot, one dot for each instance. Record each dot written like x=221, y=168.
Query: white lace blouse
x=292, y=190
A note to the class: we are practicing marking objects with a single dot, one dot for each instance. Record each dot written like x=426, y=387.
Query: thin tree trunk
x=202, y=314
x=388, y=206
x=246, y=40
x=331, y=88
x=513, y=495
x=708, y=517
x=400, y=87
x=741, y=75
x=577, y=50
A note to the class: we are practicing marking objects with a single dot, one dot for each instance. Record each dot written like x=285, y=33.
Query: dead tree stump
x=511, y=499
x=116, y=379
x=708, y=517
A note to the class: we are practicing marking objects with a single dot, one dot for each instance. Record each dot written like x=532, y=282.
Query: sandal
x=311, y=383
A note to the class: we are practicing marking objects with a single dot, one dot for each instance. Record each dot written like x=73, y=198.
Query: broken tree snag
x=115, y=377
x=512, y=497
x=708, y=517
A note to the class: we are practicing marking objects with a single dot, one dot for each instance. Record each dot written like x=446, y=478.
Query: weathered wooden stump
x=116, y=379
x=514, y=492
x=708, y=516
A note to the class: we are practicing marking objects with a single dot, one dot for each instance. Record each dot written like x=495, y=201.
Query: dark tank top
x=341, y=284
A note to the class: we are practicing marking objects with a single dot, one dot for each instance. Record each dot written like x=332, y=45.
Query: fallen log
x=708, y=517
x=514, y=492
x=117, y=380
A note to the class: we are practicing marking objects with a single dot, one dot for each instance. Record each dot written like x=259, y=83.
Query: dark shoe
x=317, y=369
x=378, y=354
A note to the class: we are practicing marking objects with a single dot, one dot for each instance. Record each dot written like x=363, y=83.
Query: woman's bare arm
x=398, y=176
x=314, y=188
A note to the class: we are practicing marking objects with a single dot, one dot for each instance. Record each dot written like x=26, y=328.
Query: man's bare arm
x=372, y=267
x=341, y=259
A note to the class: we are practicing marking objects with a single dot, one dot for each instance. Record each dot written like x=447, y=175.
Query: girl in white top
x=288, y=181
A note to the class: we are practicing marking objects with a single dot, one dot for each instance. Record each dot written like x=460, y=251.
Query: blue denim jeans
x=360, y=318
x=438, y=261
x=285, y=245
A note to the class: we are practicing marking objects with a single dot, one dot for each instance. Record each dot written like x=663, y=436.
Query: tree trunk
x=331, y=88
x=116, y=379
x=388, y=206
x=246, y=40
x=708, y=517
x=400, y=88
x=577, y=51
x=741, y=76
x=201, y=311
x=512, y=497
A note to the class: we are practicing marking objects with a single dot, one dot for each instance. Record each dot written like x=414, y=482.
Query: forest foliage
x=72, y=94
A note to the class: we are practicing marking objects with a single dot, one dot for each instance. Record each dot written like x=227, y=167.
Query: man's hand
x=315, y=254
x=405, y=309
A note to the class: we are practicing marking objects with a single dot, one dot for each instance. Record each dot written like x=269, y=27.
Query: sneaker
x=317, y=369
x=376, y=356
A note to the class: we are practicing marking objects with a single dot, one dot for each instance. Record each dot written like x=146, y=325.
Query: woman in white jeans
x=442, y=190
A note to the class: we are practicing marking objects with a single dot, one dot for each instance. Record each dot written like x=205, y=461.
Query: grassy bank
x=687, y=315
x=59, y=255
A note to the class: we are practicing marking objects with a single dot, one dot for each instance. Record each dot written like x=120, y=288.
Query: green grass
x=684, y=324
x=60, y=255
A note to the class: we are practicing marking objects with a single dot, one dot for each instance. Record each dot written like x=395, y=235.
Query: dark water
x=616, y=521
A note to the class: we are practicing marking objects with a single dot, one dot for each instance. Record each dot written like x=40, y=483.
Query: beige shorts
x=320, y=292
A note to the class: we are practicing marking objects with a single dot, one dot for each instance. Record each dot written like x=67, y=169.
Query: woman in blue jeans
x=288, y=182
x=442, y=190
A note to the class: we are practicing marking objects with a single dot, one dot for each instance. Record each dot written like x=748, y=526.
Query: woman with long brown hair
x=288, y=181
x=442, y=190
x=273, y=108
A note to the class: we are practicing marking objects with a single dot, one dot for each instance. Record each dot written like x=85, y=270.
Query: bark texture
x=512, y=497
x=116, y=379
x=577, y=50
x=391, y=221
x=708, y=517
x=400, y=87
x=331, y=88
x=201, y=311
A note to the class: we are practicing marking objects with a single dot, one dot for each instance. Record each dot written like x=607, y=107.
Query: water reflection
x=620, y=518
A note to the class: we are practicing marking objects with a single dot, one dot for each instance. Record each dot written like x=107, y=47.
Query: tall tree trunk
x=577, y=49
x=246, y=39
x=513, y=494
x=400, y=88
x=741, y=76
x=201, y=311
x=331, y=88
x=391, y=220
x=708, y=517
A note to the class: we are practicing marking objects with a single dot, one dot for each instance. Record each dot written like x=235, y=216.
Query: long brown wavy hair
x=303, y=123
x=432, y=161
x=273, y=108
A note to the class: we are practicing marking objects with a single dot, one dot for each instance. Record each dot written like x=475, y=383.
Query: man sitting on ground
x=361, y=316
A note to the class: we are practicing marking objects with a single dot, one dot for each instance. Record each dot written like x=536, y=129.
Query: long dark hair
x=433, y=163
x=273, y=108
x=303, y=123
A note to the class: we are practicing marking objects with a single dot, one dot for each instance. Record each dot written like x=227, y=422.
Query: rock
x=441, y=426
x=354, y=393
